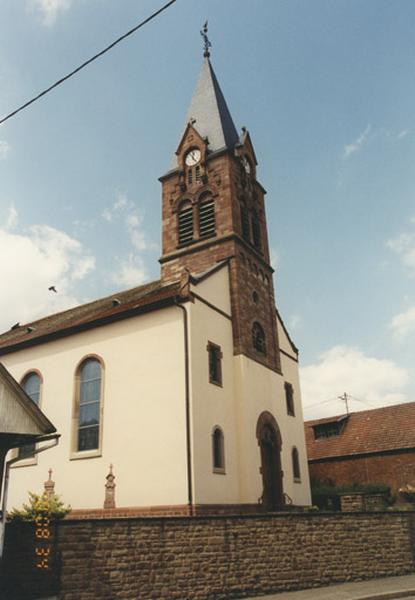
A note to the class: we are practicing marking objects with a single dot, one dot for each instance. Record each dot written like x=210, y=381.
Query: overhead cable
x=87, y=62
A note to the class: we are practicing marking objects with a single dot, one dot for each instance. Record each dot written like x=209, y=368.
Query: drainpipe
x=9, y=463
x=187, y=402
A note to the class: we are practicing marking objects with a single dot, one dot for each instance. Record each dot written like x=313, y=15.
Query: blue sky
x=327, y=91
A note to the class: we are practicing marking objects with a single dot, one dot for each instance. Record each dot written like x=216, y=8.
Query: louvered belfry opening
x=256, y=230
x=207, y=226
x=245, y=223
x=185, y=223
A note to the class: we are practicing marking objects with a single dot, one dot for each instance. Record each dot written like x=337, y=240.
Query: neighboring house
x=187, y=385
x=22, y=425
x=372, y=446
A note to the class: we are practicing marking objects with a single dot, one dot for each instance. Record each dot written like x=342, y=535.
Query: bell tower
x=213, y=210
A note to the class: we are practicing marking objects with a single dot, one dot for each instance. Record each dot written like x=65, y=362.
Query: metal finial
x=207, y=44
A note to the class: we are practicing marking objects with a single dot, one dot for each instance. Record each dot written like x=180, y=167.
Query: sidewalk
x=387, y=588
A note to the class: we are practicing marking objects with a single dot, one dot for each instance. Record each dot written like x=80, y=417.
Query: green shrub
x=326, y=495
x=40, y=505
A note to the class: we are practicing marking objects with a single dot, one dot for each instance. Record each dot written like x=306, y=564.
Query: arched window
x=245, y=222
x=31, y=385
x=185, y=223
x=256, y=230
x=89, y=392
x=207, y=225
x=258, y=338
x=296, y=464
x=218, y=450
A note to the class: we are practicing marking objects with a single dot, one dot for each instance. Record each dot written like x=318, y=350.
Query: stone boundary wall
x=206, y=558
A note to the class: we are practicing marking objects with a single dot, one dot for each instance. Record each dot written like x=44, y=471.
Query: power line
x=87, y=62
x=322, y=402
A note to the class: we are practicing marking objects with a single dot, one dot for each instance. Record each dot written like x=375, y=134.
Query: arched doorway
x=269, y=441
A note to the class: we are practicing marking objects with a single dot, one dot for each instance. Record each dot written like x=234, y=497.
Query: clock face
x=192, y=157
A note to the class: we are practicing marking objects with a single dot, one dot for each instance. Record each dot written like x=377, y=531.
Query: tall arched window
x=89, y=392
x=296, y=464
x=207, y=225
x=185, y=223
x=218, y=450
x=31, y=384
x=245, y=222
x=258, y=338
x=256, y=230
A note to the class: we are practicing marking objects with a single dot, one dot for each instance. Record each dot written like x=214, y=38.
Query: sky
x=327, y=91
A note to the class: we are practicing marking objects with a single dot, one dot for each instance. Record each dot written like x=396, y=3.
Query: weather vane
x=207, y=43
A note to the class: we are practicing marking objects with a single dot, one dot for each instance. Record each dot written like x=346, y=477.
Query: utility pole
x=345, y=399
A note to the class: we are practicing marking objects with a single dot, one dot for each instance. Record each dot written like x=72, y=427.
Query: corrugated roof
x=116, y=306
x=378, y=430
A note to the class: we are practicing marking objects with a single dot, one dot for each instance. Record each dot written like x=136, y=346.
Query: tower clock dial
x=192, y=157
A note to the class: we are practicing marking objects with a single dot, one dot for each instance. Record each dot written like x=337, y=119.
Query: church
x=187, y=386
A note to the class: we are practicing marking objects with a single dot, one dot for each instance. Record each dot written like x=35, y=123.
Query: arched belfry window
x=89, y=392
x=256, y=230
x=185, y=223
x=296, y=464
x=258, y=338
x=245, y=222
x=31, y=384
x=207, y=225
x=218, y=450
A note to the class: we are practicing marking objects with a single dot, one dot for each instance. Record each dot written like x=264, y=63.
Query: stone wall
x=394, y=469
x=206, y=558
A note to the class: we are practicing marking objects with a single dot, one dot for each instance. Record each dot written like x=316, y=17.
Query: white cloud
x=49, y=10
x=4, y=149
x=404, y=246
x=403, y=323
x=376, y=382
x=402, y=134
x=38, y=258
x=11, y=219
x=294, y=321
x=126, y=211
x=131, y=272
x=274, y=259
x=355, y=146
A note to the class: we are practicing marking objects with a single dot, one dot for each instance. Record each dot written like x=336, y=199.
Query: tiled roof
x=98, y=312
x=378, y=430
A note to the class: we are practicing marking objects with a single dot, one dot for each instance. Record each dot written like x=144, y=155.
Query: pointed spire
x=209, y=113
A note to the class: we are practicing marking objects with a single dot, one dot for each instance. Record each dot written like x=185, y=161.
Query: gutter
x=187, y=406
x=55, y=440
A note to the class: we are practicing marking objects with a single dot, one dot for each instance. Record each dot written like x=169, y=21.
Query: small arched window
x=31, y=385
x=296, y=464
x=185, y=223
x=245, y=222
x=207, y=225
x=258, y=338
x=256, y=230
x=218, y=450
x=89, y=393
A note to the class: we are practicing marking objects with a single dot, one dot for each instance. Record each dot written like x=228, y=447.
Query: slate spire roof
x=209, y=112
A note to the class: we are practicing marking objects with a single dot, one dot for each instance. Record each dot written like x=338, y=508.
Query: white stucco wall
x=143, y=413
x=212, y=405
x=248, y=389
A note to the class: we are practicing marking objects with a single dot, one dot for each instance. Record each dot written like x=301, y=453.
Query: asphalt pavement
x=386, y=588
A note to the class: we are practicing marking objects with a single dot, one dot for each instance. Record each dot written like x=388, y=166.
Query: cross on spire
x=207, y=43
